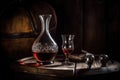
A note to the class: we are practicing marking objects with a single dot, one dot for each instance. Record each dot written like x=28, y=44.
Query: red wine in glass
x=67, y=52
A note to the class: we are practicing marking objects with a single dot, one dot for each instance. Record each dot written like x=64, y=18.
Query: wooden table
x=58, y=71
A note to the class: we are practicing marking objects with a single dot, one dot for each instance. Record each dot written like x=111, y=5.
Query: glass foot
x=67, y=63
x=46, y=63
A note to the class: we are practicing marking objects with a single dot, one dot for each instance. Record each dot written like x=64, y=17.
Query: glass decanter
x=44, y=47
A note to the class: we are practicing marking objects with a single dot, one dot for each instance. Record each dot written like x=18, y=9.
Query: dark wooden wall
x=94, y=22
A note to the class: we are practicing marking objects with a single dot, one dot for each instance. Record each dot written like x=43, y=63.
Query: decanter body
x=44, y=47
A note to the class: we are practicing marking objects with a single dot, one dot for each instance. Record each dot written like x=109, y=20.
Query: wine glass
x=67, y=47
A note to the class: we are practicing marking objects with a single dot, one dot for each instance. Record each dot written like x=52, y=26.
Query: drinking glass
x=67, y=46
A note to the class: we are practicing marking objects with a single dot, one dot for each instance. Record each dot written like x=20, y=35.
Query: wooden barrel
x=20, y=25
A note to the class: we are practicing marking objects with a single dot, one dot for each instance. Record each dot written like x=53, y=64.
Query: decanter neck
x=45, y=20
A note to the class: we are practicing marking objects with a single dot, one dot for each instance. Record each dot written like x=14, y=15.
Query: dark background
x=95, y=23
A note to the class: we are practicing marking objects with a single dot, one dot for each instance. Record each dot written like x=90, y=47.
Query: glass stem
x=67, y=60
